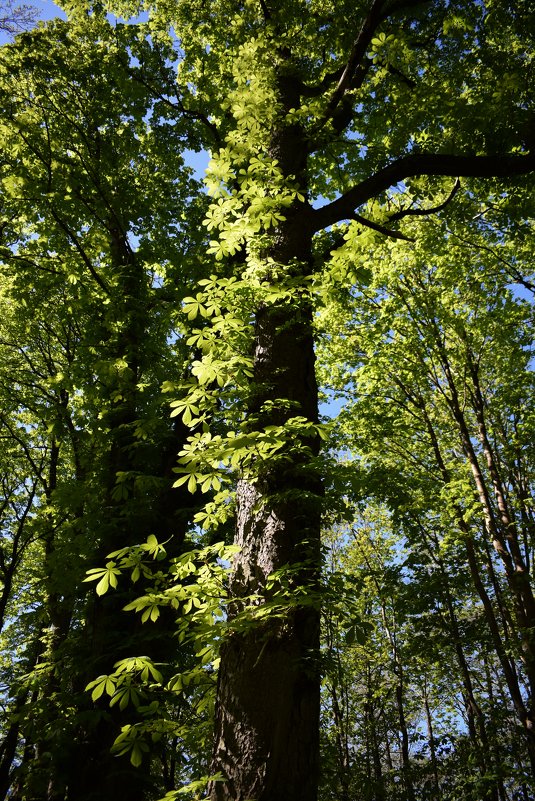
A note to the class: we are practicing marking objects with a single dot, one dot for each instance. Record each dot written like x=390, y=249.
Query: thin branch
x=15, y=19
x=178, y=106
x=381, y=228
x=197, y=115
x=85, y=258
x=343, y=208
x=401, y=75
x=339, y=240
x=515, y=274
x=265, y=10
x=401, y=5
x=415, y=212
x=358, y=51
x=37, y=471
x=27, y=261
x=320, y=88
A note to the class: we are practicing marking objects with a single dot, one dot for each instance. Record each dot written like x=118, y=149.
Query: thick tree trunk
x=268, y=693
x=267, y=720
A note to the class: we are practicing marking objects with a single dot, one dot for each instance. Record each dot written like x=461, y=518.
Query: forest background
x=208, y=588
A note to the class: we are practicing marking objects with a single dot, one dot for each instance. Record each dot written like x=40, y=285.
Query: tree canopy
x=268, y=523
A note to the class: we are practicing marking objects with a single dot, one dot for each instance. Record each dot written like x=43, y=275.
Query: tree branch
x=381, y=228
x=395, y=6
x=355, y=70
x=398, y=74
x=178, y=106
x=339, y=239
x=416, y=212
x=358, y=51
x=265, y=10
x=15, y=19
x=85, y=258
x=514, y=273
x=419, y=164
x=328, y=79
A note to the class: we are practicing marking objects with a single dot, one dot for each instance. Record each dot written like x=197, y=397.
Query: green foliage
x=193, y=587
x=124, y=284
x=93, y=263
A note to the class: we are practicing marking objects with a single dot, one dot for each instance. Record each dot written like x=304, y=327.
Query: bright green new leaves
x=193, y=584
x=212, y=461
x=257, y=206
x=297, y=108
x=194, y=588
x=100, y=686
x=245, y=450
x=106, y=577
x=135, y=559
x=140, y=665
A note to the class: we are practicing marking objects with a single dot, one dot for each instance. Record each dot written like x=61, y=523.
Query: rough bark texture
x=268, y=701
x=267, y=727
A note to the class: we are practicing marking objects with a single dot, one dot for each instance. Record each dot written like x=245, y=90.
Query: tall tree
x=344, y=102
x=426, y=417
x=92, y=287
x=329, y=126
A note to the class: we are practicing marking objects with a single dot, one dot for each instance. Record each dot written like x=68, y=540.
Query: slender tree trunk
x=8, y=747
x=397, y=668
x=476, y=720
x=19, y=788
x=405, y=756
x=520, y=578
x=342, y=746
x=378, y=778
x=431, y=740
x=376, y=784
x=473, y=709
x=522, y=594
x=8, y=566
x=368, y=747
x=44, y=780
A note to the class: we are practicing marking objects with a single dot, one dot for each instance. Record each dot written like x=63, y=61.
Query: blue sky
x=45, y=9
x=48, y=9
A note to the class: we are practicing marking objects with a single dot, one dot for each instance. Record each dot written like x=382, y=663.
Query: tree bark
x=268, y=690
x=431, y=738
x=267, y=719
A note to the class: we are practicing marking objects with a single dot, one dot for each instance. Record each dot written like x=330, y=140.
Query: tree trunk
x=342, y=746
x=267, y=717
x=520, y=592
x=431, y=739
x=268, y=690
x=377, y=784
x=110, y=634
